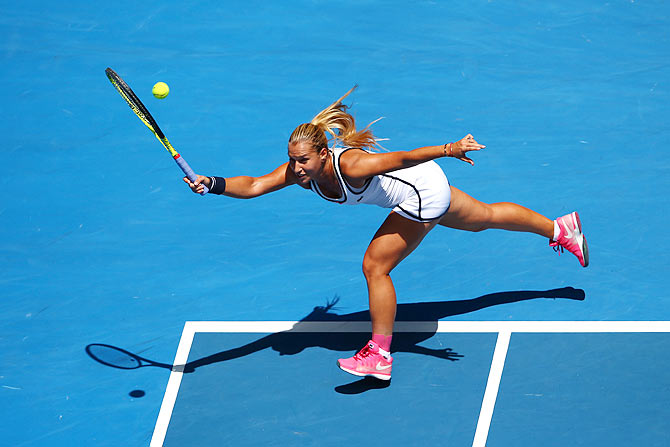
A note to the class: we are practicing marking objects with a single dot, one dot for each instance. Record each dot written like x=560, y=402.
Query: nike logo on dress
x=381, y=367
x=359, y=199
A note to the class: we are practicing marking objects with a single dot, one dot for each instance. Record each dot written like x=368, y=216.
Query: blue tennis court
x=240, y=308
x=550, y=391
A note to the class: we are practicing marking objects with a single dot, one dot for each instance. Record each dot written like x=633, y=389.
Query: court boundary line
x=504, y=329
x=491, y=391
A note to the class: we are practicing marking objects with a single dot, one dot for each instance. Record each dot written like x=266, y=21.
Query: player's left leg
x=468, y=213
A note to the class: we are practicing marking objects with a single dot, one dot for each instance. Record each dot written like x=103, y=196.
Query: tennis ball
x=160, y=90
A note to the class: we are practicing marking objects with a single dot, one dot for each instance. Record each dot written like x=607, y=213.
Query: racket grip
x=189, y=172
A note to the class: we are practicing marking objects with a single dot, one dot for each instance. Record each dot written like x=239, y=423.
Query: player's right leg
x=395, y=240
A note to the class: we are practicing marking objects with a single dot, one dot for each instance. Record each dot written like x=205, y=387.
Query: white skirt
x=428, y=194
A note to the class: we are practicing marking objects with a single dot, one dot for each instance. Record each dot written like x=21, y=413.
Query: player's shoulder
x=350, y=155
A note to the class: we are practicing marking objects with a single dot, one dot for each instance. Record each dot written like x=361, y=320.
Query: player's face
x=306, y=162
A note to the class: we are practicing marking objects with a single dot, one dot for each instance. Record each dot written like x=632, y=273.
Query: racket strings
x=133, y=101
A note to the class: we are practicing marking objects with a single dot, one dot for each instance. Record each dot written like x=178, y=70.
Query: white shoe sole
x=580, y=238
x=360, y=374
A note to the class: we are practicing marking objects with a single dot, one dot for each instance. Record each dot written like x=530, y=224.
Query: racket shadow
x=119, y=358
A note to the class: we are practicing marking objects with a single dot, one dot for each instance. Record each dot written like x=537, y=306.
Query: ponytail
x=339, y=124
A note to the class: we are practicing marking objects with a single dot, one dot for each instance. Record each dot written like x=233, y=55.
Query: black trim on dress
x=417, y=194
x=349, y=187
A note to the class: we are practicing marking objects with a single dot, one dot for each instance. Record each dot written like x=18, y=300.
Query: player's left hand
x=464, y=145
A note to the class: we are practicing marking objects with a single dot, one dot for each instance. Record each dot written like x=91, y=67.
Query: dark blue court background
x=583, y=390
x=292, y=399
x=101, y=243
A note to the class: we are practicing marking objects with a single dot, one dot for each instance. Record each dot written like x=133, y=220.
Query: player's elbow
x=256, y=188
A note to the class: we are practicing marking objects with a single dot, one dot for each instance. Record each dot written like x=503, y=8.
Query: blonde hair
x=336, y=121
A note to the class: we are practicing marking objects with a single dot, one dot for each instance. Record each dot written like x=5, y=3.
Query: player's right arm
x=246, y=187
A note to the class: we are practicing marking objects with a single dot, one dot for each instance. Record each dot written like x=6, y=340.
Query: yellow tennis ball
x=160, y=90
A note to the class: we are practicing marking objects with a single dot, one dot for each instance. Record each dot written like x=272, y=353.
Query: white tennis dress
x=420, y=193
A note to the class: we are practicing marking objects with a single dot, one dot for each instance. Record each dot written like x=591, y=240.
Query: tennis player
x=334, y=160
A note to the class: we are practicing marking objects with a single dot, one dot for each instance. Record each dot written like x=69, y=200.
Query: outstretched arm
x=245, y=187
x=361, y=164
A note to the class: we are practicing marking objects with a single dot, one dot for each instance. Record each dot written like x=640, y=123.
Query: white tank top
x=385, y=190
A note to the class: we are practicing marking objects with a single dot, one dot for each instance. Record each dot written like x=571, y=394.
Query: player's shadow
x=296, y=340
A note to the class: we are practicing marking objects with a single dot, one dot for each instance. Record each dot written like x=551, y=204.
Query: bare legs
x=398, y=237
x=395, y=239
x=467, y=213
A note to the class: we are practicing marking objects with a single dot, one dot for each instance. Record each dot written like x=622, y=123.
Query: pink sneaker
x=571, y=238
x=369, y=361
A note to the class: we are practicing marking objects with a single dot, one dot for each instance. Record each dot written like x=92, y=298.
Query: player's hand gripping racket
x=142, y=112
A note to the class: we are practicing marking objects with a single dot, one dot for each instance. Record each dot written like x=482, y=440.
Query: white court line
x=491, y=393
x=503, y=328
x=172, y=389
x=268, y=327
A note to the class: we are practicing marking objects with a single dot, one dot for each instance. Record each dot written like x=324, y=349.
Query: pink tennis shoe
x=369, y=361
x=571, y=238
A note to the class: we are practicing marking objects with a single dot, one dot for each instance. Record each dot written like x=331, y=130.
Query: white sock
x=557, y=230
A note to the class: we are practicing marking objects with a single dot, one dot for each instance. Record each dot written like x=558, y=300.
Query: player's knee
x=373, y=268
x=475, y=227
x=484, y=220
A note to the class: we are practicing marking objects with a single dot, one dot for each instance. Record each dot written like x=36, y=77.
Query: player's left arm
x=358, y=164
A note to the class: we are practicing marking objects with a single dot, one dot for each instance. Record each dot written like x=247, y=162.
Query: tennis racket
x=136, y=105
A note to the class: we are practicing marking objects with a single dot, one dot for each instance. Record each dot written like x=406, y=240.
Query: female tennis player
x=342, y=169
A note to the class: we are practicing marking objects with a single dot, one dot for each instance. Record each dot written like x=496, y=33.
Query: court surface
x=243, y=307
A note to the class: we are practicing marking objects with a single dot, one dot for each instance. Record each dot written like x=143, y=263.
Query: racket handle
x=189, y=172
